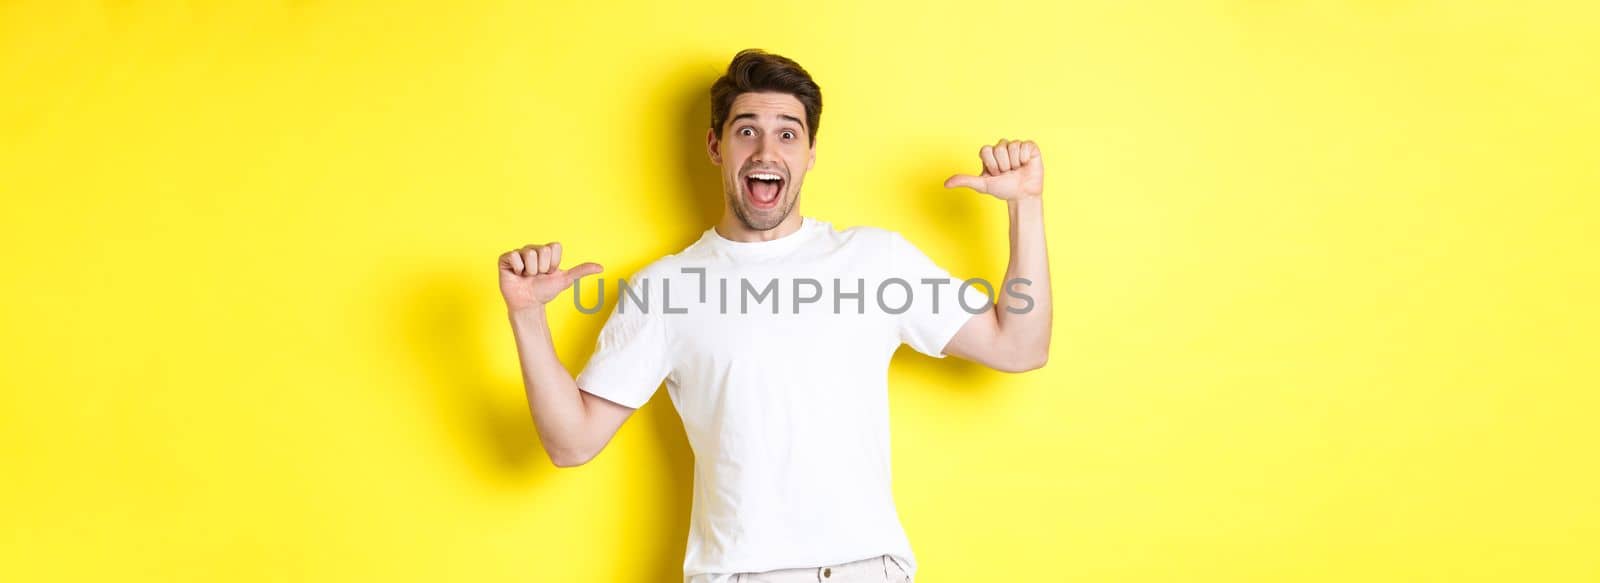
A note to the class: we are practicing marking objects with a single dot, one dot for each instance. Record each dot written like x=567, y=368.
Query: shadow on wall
x=443, y=332
x=699, y=181
x=970, y=218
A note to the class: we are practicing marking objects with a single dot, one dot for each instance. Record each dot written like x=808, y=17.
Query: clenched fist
x=532, y=276
x=1011, y=171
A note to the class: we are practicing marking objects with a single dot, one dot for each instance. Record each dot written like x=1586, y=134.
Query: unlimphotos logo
x=891, y=295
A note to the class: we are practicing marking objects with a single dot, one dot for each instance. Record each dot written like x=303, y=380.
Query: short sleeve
x=630, y=357
x=936, y=310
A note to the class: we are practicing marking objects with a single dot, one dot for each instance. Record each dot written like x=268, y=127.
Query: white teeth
x=765, y=176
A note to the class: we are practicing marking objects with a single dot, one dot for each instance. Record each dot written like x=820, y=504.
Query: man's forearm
x=1026, y=329
x=559, y=412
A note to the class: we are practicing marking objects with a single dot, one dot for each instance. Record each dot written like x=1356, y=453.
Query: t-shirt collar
x=808, y=226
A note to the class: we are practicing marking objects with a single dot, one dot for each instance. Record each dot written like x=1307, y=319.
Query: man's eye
x=788, y=135
x=747, y=132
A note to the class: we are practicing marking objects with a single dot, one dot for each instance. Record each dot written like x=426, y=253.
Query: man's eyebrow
x=748, y=115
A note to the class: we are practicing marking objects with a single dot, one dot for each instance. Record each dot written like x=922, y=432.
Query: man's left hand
x=1011, y=171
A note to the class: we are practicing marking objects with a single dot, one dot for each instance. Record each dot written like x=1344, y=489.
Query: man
x=784, y=395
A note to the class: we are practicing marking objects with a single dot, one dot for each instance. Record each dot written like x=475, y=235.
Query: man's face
x=764, y=152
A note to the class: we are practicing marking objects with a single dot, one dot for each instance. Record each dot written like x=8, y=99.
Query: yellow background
x=1325, y=272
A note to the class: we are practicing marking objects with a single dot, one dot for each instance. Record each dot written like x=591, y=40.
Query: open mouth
x=763, y=188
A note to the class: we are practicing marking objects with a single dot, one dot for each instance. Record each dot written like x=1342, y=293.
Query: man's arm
x=1014, y=336
x=573, y=425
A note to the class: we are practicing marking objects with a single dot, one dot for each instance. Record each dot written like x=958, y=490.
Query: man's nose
x=765, y=152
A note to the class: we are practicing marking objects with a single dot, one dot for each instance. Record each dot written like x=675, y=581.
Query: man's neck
x=732, y=229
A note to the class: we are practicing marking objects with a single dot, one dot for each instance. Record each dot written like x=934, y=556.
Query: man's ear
x=713, y=147
x=813, y=161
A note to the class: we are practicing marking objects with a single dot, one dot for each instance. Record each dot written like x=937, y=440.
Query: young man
x=781, y=385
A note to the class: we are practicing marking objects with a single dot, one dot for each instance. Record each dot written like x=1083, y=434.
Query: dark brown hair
x=756, y=71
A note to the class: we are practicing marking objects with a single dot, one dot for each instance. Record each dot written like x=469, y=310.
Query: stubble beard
x=759, y=220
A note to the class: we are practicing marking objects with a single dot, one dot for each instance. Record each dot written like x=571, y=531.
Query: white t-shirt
x=782, y=385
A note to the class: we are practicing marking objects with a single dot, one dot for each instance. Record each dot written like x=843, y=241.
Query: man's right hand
x=532, y=276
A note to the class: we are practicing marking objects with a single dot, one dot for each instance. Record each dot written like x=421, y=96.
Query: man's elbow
x=570, y=457
x=1026, y=360
x=1036, y=362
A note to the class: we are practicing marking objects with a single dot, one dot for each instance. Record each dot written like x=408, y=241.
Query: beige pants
x=881, y=569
